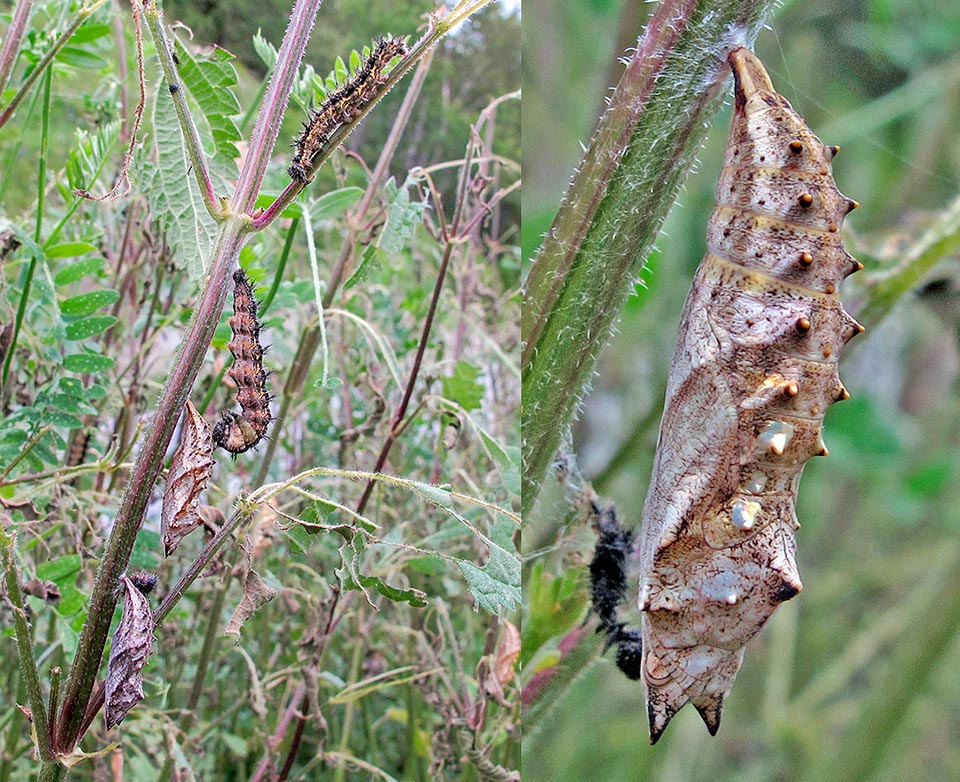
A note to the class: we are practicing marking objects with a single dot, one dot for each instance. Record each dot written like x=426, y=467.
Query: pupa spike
x=710, y=708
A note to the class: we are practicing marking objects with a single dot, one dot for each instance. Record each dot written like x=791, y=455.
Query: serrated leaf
x=70, y=250
x=300, y=539
x=265, y=50
x=497, y=584
x=86, y=303
x=88, y=327
x=403, y=217
x=87, y=363
x=132, y=644
x=351, y=578
x=78, y=270
x=174, y=195
x=210, y=79
x=462, y=386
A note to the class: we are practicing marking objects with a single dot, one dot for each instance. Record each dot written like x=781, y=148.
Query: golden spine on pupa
x=754, y=371
x=239, y=432
x=344, y=104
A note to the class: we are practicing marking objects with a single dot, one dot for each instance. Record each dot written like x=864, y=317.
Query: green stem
x=641, y=152
x=28, y=665
x=41, y=191
x=886, y=289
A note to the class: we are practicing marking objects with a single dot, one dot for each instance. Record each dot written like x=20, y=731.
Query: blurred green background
x=858, y=677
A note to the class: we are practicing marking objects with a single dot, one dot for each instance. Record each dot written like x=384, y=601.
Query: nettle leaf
x=496, y=585
x=190, y=469
x=350, y=577
x=89, y=156
x=369, y=264
x=174, y=195
x=403, y=217
x=462, y=387
x=132, y=644
x=210, y=79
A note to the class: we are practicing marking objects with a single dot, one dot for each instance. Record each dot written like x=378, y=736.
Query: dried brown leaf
x=132, y=644
x=256, y=592
x=190, y=469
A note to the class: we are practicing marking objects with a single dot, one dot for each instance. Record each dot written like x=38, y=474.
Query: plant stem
x=11, y=43
x=641, y=152
x=28, y=665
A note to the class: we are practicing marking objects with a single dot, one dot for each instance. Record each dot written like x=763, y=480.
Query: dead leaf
x=256, y=592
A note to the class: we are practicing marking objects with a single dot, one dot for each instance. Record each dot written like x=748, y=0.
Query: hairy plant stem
x=11, y=43
x=28, y=666
x=640, y=153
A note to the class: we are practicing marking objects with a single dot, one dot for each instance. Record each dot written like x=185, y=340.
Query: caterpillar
x=754, y=371
x=344, y=104
x=239, y=432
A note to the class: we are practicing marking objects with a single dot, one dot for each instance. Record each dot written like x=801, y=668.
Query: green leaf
x=300, y=537
x=70, y=250
x=60, y=570
x=63, y=420
x=72, y=600
x=462, y=387
x=87, y=327
x=86, y=303
x=335, y=203
x=174, y=196
x=265, y=50
x=211, y=78
x=81, y=58
x=435, y=495
x=78, y=270
x=90, y=155
x=403, y=217
x=369, y=264
x=91, y=31
x=145, y=551
x=496, y=585
x=87, y=363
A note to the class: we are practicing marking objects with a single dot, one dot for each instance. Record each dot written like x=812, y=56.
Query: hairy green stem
x=28, y=665
x=641, y=152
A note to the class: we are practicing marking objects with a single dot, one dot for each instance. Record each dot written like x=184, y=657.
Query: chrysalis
x=239, y=432
x=754, y=371
x=344, y=105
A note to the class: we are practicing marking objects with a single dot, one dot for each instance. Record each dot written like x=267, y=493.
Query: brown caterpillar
x=344, y=104
x=239, y=432
x=754, y=371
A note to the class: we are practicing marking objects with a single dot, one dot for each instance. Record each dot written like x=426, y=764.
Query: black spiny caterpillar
x=344, y=104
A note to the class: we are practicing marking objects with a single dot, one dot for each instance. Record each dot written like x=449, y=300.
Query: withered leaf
x=190, y=469
x=132, y=644
x=256, y=592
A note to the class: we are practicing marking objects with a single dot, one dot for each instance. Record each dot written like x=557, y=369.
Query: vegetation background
x=397, y=688
x=857, y=678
